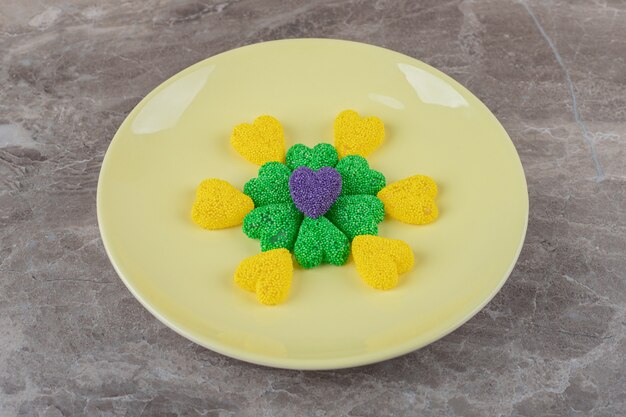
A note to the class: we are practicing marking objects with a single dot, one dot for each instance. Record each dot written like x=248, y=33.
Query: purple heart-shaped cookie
x=314, y=192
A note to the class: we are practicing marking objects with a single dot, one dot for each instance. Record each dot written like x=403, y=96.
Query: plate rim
x=286, y=362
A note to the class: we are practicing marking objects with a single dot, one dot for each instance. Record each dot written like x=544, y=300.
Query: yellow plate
x=179, y=135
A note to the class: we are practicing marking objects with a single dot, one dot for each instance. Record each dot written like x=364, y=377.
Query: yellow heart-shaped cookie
x=219, y=205
x=411, y=200
x=260, y=142
x=356, y=135
x=267, y=274
x=379, y=261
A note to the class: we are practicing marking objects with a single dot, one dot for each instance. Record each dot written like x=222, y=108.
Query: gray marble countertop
x=73, y=341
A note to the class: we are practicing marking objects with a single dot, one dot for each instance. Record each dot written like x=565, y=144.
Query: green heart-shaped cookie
x=271, y=186
x=275, y=225
x=319, y=241
x=357, y=215
x=358, y=178
x=322, y=155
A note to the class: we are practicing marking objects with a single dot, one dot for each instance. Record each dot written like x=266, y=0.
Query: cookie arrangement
x=315, y=205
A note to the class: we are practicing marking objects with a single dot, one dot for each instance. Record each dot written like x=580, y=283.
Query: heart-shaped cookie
x=319, y=241
x=322, y=155
x=275, y=225
x=379, y=261
x=271, y=186
x=219, y=205
x=267, y=274
x=356, y=135
x=314, y=192
x=260, y=142
x=357, y=176
x=411, y=200
x=357, y=214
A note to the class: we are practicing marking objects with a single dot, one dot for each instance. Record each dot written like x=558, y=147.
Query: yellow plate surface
x=179, y=135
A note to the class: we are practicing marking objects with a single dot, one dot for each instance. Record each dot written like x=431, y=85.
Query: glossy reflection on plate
x=179, y=135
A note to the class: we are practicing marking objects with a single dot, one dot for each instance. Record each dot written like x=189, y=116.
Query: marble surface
x=73, y=341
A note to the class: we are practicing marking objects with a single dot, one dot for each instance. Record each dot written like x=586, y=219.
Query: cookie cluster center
x=314, y=192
